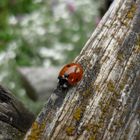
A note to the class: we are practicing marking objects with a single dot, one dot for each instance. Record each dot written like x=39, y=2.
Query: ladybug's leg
x=65, y=85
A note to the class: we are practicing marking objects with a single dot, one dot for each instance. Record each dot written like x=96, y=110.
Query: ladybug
x=70, y=75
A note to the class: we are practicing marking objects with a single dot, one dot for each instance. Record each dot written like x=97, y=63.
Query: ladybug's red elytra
x=70, y=75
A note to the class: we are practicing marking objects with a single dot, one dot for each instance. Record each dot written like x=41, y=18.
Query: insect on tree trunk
x=105, y=105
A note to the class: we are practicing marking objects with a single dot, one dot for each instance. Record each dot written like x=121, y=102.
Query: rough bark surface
x=15, y=119
x=8, y=132
x=105, y=105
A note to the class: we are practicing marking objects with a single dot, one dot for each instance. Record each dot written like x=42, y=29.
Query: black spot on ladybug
x=71, y=77
x=68, y=65
x=76, y=79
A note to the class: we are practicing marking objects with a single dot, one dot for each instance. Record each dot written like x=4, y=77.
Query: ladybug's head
x=63, y=81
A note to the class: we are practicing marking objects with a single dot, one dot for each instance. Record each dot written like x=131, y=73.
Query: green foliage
x=18, y=7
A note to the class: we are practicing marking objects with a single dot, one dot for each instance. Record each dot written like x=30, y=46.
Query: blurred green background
x=41, y=33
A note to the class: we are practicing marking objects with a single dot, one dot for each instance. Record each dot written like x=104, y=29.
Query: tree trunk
x=105, y=105
x=15, y=119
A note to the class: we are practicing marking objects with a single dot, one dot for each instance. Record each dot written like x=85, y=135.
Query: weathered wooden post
x=15, y=119
x=105, y=105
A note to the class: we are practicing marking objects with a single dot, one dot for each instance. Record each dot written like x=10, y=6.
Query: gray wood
x=15, y=119
x=105, y=105
x=8, y=132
